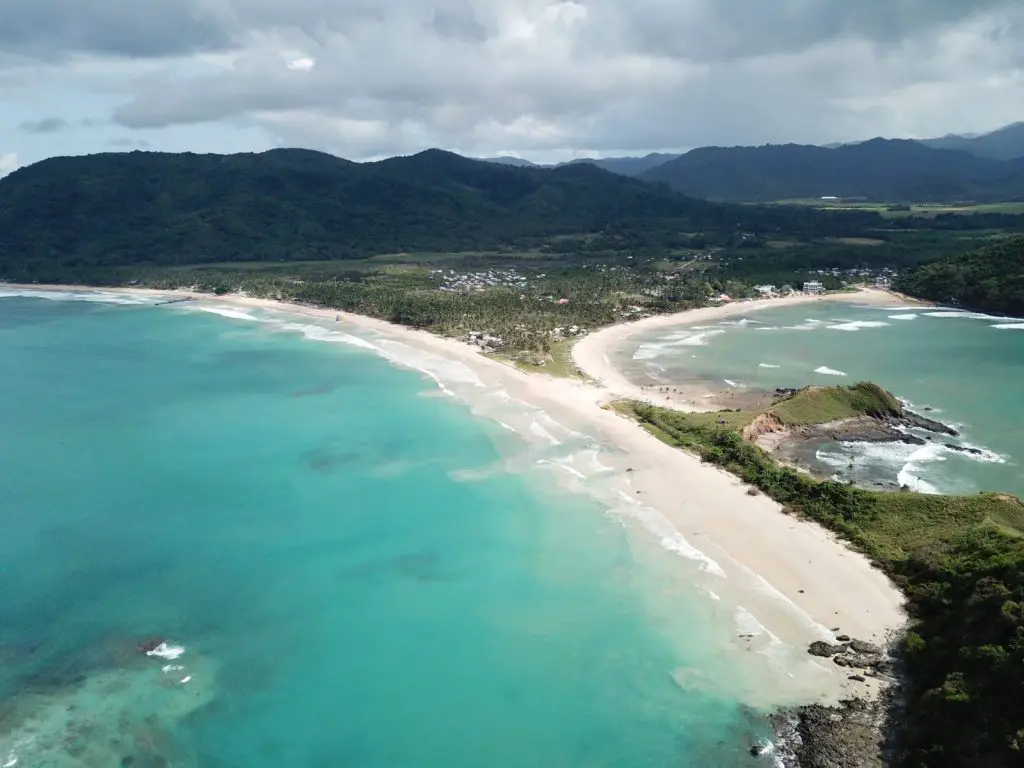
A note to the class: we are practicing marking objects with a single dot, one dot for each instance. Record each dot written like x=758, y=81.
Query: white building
x=813, y=286
x=765, y=290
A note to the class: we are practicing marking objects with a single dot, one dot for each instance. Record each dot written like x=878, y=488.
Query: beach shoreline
x=799, y=580
x=591, y=354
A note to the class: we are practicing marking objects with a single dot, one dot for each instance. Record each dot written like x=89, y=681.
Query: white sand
x=794, y=576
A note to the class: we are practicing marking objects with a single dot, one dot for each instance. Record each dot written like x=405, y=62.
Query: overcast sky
x=541, y=79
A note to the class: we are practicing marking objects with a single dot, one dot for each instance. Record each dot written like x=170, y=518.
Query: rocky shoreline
x=871, y=429
x=790, y=445
x=857, y=732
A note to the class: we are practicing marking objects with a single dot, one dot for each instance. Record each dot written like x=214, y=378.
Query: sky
x=542, y=79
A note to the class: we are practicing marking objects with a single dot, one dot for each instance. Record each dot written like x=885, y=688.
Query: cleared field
x=558, y=361
x=927, y=210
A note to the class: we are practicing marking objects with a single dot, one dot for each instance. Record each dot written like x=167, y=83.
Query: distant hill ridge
x=989, y=167
x=879, y=169
x=118, y=209
x=625, y=166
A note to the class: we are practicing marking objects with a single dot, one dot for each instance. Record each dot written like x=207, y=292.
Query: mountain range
x=117, y=209
x=625, y=166
x=887, y=170
x=989, y=167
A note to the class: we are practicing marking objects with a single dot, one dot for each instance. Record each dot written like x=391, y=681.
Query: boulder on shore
x=823, y=649
x=862, y=646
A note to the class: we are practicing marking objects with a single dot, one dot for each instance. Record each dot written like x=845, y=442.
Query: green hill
x=879, y=169
x=819, y=405
x=171, y=209
x=1006, y=143
x=989, y=280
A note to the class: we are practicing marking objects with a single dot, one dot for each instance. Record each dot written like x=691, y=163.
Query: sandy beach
x=592, y=354
x=796, y=578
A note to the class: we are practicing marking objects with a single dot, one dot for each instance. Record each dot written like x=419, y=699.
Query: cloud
x=55, y=29
x=541, y=78
x=46, y=125
x=124, y=142
x=8, y=163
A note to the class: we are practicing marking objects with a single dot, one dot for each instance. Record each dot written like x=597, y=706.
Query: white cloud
x=541, y=78
x=8, y=163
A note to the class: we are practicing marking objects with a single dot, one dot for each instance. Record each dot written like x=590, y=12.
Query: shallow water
x=326, y=566
x=964, y=368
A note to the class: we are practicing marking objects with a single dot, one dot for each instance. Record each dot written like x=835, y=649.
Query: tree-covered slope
x=990, y=280
x=1006, y=143
x=168, y=209
x=880, y=169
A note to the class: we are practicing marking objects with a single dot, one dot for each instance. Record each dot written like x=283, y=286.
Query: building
x=882, y=282
x=813, y=286
x=765, y=290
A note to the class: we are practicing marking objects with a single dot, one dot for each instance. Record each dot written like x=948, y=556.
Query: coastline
x=591, y=353
x=799, y=580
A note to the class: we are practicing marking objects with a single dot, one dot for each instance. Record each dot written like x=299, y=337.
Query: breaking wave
x=856, y=325
x=98, y=297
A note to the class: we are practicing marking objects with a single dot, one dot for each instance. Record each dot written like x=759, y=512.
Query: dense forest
x=880, y=169
x=989, y=280
x=148, y=208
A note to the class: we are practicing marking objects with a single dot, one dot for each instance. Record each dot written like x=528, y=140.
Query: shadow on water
x=424, y=567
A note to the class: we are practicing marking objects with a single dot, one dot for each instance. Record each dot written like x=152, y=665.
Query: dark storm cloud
x=52, y=29
x=45, y=125
x=717, y=30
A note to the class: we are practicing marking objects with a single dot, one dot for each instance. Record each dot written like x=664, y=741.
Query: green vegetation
x=276, y=223
x=514, y=306
x=990, y=280
x=960, y=562
x=881, y=170
x=903, y=210
x=557, y=362
x=67, y=215
x=820, y=405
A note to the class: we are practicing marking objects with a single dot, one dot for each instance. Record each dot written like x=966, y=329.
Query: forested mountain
x=1006, y=143
x=628, y=166
x=880, y=169
x=162, y=209
x=516, y=162
x=625, y=166
x=990, y=280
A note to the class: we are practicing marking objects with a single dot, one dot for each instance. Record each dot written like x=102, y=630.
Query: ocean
x=961, y=368
x=241, y=538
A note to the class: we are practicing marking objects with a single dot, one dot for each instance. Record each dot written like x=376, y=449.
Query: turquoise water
x=964, y=368
x=288, y=528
